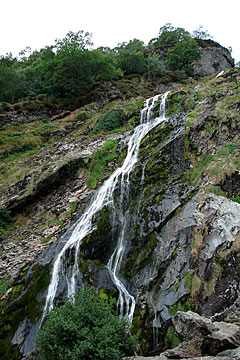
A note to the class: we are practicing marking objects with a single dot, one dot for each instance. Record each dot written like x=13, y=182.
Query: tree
x=12, y=79
x=169, y=35
x=74, y=41
x=130, y=57
x=201, y=33
x=85, y=329
x=155, y=66
x=181, y=56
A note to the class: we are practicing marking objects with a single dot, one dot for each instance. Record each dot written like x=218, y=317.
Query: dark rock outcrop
x=214, y=58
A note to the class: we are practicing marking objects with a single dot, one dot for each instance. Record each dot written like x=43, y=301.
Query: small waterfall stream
x=104, y=197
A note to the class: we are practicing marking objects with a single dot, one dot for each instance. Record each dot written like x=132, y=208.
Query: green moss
x=174, y=253
x=184, y=304
x=140, y=329
x=208, y=127
x=189, y=122
x=25, y=300
x=199, y=96
x=97, y=244
x=46, y=239
x=111, y=120
x=171, y=340
x=24, y=270
x=175, y=287
x=5, y=284
x=72, y=209
x=188, y=282
x=175, y=102
x=100, y=159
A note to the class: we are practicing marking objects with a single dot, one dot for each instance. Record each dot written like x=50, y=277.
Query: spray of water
x=103, y=197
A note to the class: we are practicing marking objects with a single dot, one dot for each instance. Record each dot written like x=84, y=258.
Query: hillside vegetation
x=70, y=67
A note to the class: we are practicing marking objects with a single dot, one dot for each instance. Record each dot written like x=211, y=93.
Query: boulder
x=211, y=337
x=189, y=325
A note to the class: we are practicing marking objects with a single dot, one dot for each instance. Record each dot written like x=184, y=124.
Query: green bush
x=110, y=120
x=181, y=56
x=5, y=219
x=85, y=330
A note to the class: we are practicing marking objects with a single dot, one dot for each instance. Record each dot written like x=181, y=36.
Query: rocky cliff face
x=214, y=57
x=183, y=229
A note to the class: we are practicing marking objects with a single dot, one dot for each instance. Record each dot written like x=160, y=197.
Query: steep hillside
x=181, y=209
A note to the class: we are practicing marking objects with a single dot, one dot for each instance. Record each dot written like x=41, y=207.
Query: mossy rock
x=97, y=244
x=24, y=301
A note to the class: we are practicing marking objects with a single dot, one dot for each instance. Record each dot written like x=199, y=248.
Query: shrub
x=181, y=56
x=85, y=329
x=111, y=120
x=5, y=219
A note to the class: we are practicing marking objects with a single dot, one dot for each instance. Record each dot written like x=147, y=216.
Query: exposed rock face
x=202, y=339
x=214, y=337
x=214, y=58
x=183, y=243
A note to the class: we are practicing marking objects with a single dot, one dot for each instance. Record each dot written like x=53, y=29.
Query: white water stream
x=103, y=197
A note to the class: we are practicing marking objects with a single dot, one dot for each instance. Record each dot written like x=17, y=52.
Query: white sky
x=37, y=23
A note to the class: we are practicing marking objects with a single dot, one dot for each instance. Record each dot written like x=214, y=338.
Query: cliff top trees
x=169, y=35
x=70, y=67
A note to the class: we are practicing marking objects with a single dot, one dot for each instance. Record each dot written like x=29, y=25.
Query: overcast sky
x=37, y=23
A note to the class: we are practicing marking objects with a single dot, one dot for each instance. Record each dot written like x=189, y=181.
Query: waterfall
x=103, y=197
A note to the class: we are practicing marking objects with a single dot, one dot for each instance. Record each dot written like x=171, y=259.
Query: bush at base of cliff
x=86, y=330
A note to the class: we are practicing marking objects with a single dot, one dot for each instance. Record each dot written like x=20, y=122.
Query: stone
x=185, y=350
x=190, y=325
x=214, y=337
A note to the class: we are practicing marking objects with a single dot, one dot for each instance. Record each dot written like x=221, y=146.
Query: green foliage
x=65, y=69
x=101, y=157
x=226, y=150
x=188, y=282
x=217, y=190
x=201, y=33
x=155, y=66
x=171, y=340
x=180, y=57
x=112, y=119
x=130, y=57
x=169, y=35
x=12, y=79
x=85, y=329
x=181, y=305
x=236, y=198
x=5, y=219
x=200, y=97
x=4, y=285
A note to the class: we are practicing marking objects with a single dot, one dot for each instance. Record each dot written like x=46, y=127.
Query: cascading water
x=104, y=197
